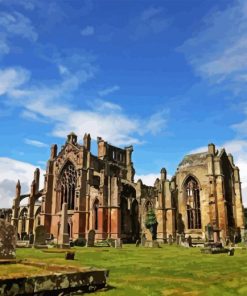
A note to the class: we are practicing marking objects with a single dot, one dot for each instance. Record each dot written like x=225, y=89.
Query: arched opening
x=69, y=230
x=135, y=219
x=37, y=219
x=148, y=206
x=228, y=192
x=96, y=215
x=124, y=214
x=128, y=194
x=23, y=223
x=192, y=192
x=67, y=184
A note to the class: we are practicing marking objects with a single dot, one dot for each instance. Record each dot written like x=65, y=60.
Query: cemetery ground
x=169, y=270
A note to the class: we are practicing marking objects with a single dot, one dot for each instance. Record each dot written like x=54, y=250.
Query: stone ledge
x=59, y=279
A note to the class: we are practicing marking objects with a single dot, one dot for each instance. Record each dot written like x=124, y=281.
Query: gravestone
x=69, y=255
x=209, y=233
x=185, y=244
x=31, y=238
x=40, y=235
x=143, y=239
x=178, y=239
x=137, y=243
x=148, y=235
x=189, y=240
x=118, y=243
x=170, y=239
x=63, y=238
x=7, y=240
x=152, y=244
x=91, y=238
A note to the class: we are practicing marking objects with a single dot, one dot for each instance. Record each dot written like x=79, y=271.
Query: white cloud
x=199, y=150
x=104, y=106
x=241, y=127
x=218, y=50
x=147, y=179
x=109, y=90
x=11, y=78
x=104, y=118
x=35, y=143
x=63, y=70
x=26, y=4
x=87, y=31
x=4, y=48
x=150, y=21
x=14, y=24
x=10, y=171
x=157, y=122
x=150, y=12
x=75, y=67
x=32, y=116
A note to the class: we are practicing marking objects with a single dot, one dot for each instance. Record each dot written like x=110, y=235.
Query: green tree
x=151, y=223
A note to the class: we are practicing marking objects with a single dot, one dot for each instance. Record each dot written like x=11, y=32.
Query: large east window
x=68, y=185
x=193, y=203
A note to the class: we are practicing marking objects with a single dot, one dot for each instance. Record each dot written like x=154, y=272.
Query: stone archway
x=129, y=213
x=135, y=224
x=193, y=203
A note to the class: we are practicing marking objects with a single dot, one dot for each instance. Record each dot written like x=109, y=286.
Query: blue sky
x=168, y=77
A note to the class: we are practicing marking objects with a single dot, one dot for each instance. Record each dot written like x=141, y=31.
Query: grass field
x=170, y=270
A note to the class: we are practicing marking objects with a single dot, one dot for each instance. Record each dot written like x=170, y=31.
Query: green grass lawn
x=170, y=270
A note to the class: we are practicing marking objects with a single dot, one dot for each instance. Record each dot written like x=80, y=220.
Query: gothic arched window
x=95, y=214
x=68, y=185
x=193, y=203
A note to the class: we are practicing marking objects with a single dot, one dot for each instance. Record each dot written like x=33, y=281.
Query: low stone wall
x=63, y=279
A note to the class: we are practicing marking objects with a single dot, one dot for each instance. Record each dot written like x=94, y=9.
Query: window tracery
x=68, y=185
x=193, y=204
x=95, y=214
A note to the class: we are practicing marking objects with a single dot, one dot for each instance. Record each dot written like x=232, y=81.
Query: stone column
x=160, y=210
x=222, y=211
x=115, y=215
x=16, y=205
x=129, y=164
x=81, y=213
x=63, y=239
x=48, y=193
x=36, y=180
x=30, y=217
x=238, y=200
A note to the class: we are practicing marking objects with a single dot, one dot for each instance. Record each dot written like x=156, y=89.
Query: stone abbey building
x=101, y=194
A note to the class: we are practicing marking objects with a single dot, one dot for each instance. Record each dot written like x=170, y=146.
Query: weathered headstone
x=91, y=238
x=137, y=243
x=31, y=238
x=69, y=255
x=178, y=239
x=189, y=240
x=7, y=240
x=40, y=235
x=231, y=252
x=152, y=244
x=185, y=244
x=64, y=233
x=170, y=239
x=148, y=235
x=118, y=243
x=209, y=233
x=143, y=239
